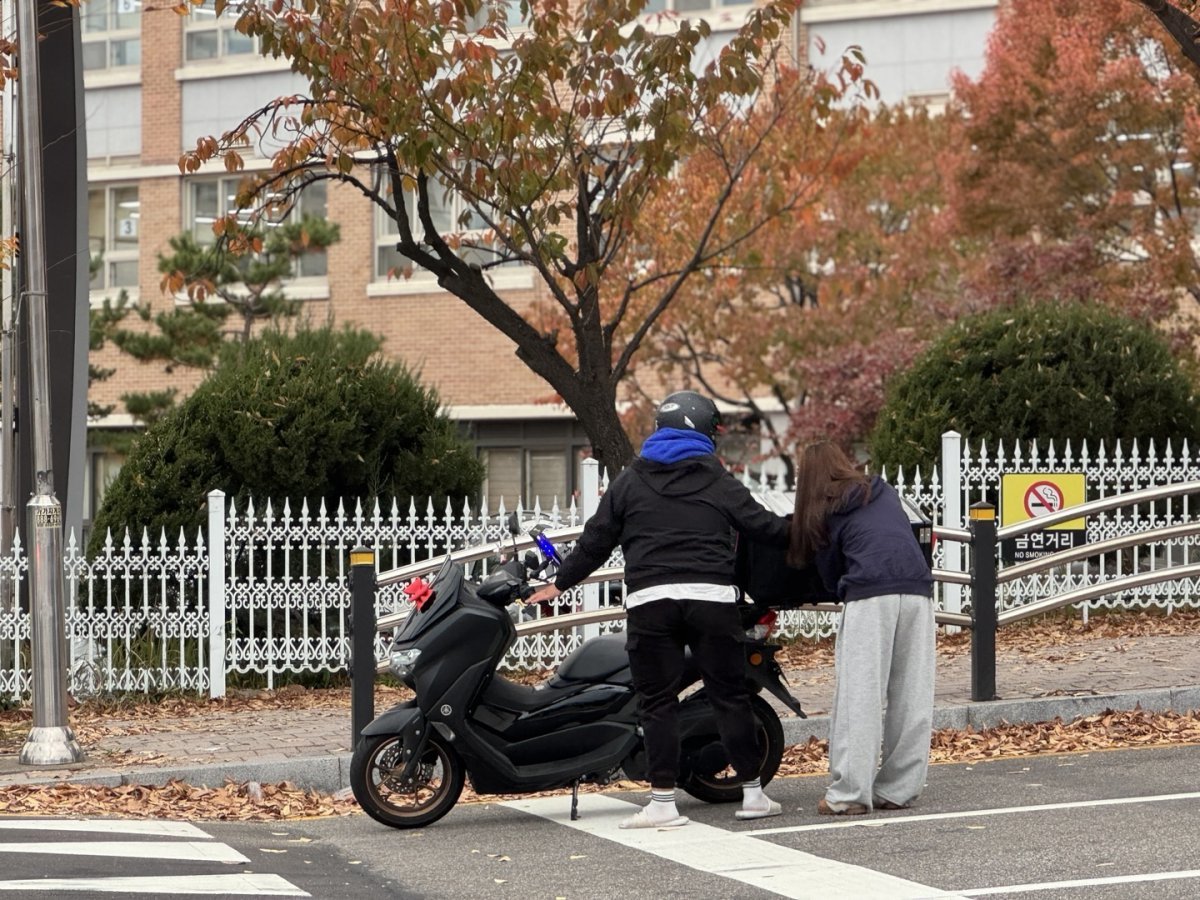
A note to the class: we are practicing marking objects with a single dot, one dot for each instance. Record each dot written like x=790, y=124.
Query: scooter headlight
x=402, y=662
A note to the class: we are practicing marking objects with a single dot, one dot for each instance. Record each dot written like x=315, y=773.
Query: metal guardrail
x=1112, y=586
x=613, y=573
x=946, y=533
x=470, y=554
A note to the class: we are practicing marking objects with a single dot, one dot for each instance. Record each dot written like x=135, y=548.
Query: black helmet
x=687, y=409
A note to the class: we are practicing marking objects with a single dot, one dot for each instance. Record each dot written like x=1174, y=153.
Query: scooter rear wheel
x=724, y=786
x=375, y=780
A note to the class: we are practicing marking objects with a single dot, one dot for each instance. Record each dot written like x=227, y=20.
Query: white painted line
x=861, y=822
x=187, y=850
x=108, y=826
x=166, y=886
x=1082, y=882
x=731, y=854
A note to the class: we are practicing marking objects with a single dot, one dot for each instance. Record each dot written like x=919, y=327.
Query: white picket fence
x=262, y=593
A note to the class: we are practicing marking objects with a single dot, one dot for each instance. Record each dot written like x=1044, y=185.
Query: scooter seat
x=600, y=659
x=514, y=697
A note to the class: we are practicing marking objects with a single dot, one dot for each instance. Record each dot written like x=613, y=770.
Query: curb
x=326, y=774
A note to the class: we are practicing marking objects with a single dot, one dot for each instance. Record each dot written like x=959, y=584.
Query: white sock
x=662, y=805
x=753, y=796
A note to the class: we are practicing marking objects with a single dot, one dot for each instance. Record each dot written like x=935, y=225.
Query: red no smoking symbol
x=1043, y=498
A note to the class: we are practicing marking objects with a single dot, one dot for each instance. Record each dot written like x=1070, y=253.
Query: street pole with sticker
x=50, y=741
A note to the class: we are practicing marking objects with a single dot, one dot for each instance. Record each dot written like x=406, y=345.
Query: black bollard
x=362, y=641
x=983, y=601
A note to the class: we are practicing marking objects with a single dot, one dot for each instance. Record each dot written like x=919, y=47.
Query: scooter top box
x=763, y=573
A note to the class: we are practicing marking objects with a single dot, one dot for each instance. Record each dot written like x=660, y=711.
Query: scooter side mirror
x=514, y=524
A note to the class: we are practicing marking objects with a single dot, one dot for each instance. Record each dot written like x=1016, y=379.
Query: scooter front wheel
x=425, y=797
x=724, y=786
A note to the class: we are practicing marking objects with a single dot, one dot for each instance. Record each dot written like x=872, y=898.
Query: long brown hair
x=824, y=473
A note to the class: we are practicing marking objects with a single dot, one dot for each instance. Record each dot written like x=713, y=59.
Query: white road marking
x=110, y=826
x=731, y=854
x=1082, y=882
x=188, y=850
x=860, y=822
x=166, y=886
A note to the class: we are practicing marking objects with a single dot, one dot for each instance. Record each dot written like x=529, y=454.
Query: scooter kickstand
x=574, y=800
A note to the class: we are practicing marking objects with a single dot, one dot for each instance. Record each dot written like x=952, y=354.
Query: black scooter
x=581, y=726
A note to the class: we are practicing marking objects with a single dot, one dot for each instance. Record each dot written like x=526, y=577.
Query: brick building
x=156, y=81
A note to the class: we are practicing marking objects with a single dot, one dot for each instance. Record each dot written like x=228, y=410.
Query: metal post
x=362, y=641
x=589, y=495
x=50, y=741
x=952, y=517
x=216, y=594
x=983, y=601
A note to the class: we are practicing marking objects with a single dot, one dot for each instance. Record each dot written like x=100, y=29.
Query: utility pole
x=8, y=368
x=50, y=741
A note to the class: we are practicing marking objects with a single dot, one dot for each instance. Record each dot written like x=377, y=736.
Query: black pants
x=657, y=633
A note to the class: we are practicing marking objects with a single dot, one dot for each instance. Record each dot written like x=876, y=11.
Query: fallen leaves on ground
x=1109, y=730
x=232, y=802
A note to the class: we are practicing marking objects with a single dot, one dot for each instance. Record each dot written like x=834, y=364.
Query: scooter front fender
x=404, y=719
x=407, y=722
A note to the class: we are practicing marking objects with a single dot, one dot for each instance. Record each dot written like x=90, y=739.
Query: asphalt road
x=1118, y=824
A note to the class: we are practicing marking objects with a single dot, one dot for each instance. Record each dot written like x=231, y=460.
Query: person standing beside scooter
x=673, y=512
x=854, y=528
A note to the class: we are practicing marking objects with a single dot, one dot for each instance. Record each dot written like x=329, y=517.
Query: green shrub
x=1037, y=371
x=309, y=415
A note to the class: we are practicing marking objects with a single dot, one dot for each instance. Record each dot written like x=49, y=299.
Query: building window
x=212, y=199
x=102, y=467
x=525, y=475
x=208, y=36
x=113, y=236
x=452, y=218
x=111, y=34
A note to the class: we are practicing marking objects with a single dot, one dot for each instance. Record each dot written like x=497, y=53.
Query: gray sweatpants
x=885, y=657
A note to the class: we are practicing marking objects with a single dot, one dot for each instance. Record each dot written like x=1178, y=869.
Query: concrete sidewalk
x=310, y=746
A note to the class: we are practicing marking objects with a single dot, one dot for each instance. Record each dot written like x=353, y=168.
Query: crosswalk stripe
x=735, y=855
x=107, y=826
x=166, y=886
x=186, y=850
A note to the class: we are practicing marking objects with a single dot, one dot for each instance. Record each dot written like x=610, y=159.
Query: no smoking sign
x=1034, y=495
x=1031, y=495
x=1043, y=498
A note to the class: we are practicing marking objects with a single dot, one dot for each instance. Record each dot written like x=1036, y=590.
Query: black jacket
x=675, y=523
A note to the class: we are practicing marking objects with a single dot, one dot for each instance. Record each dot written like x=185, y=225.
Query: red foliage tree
x=815, y=313
x=1074, y=176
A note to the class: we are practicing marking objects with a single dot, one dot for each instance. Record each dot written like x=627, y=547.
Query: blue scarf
x=671, y=445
